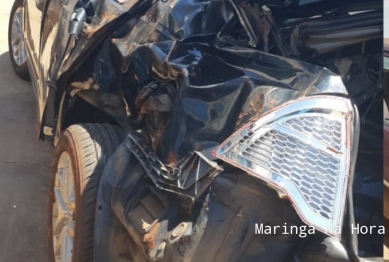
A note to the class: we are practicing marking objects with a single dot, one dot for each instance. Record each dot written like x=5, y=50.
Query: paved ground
x=24, y=164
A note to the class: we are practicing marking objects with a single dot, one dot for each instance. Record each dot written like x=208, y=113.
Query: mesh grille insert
x=314, y=172
x=301, y=149
x=320, y=128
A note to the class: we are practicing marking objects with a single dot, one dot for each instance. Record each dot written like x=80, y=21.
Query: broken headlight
x=303, y=149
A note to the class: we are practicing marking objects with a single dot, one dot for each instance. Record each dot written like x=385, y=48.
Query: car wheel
x=78, y=163
x=16, y=43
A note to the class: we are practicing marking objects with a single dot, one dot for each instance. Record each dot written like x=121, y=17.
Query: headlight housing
x=303, y=149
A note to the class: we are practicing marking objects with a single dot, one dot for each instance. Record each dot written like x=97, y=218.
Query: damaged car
x=221, y=130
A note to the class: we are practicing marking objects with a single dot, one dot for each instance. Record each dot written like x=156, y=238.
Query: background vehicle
x=215, y=98
x=386, y=129
x=386, y=140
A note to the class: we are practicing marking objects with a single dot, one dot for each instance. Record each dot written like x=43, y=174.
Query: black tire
x=89, y=146
x=20, y=70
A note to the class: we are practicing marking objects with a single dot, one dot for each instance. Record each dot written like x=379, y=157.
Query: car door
x=56, y=39
x=63, y=46
x=32, y=23
x=46, y=35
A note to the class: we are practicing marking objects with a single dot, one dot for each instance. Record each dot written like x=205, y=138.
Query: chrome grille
x=320, y=128
x=302, y=149
x=314, y=172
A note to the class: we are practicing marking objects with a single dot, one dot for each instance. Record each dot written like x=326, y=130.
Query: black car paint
x=211, y=84
x=221, y=223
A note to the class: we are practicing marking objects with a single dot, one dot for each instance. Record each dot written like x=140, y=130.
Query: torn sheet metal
x=190, y=176
x=223, y=61
x=218, y=226
x=219, y=85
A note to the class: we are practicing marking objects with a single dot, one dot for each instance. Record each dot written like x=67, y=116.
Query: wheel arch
x=86, y=106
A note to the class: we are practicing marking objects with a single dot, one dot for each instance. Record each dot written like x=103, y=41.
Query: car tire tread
x=92, y=145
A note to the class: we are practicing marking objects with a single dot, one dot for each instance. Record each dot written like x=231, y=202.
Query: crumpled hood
x=220, y=85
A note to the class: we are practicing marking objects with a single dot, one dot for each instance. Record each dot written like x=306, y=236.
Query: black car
x=221, y=130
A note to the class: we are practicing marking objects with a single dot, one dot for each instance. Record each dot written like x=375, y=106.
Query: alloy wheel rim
x=63, y=215
x=17, y=39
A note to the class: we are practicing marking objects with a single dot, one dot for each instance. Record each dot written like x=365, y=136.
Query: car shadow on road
x=24, y=170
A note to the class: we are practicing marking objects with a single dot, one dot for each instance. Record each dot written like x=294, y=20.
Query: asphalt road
x=24, y=164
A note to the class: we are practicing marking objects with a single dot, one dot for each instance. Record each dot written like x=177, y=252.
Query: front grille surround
x=303, y=149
